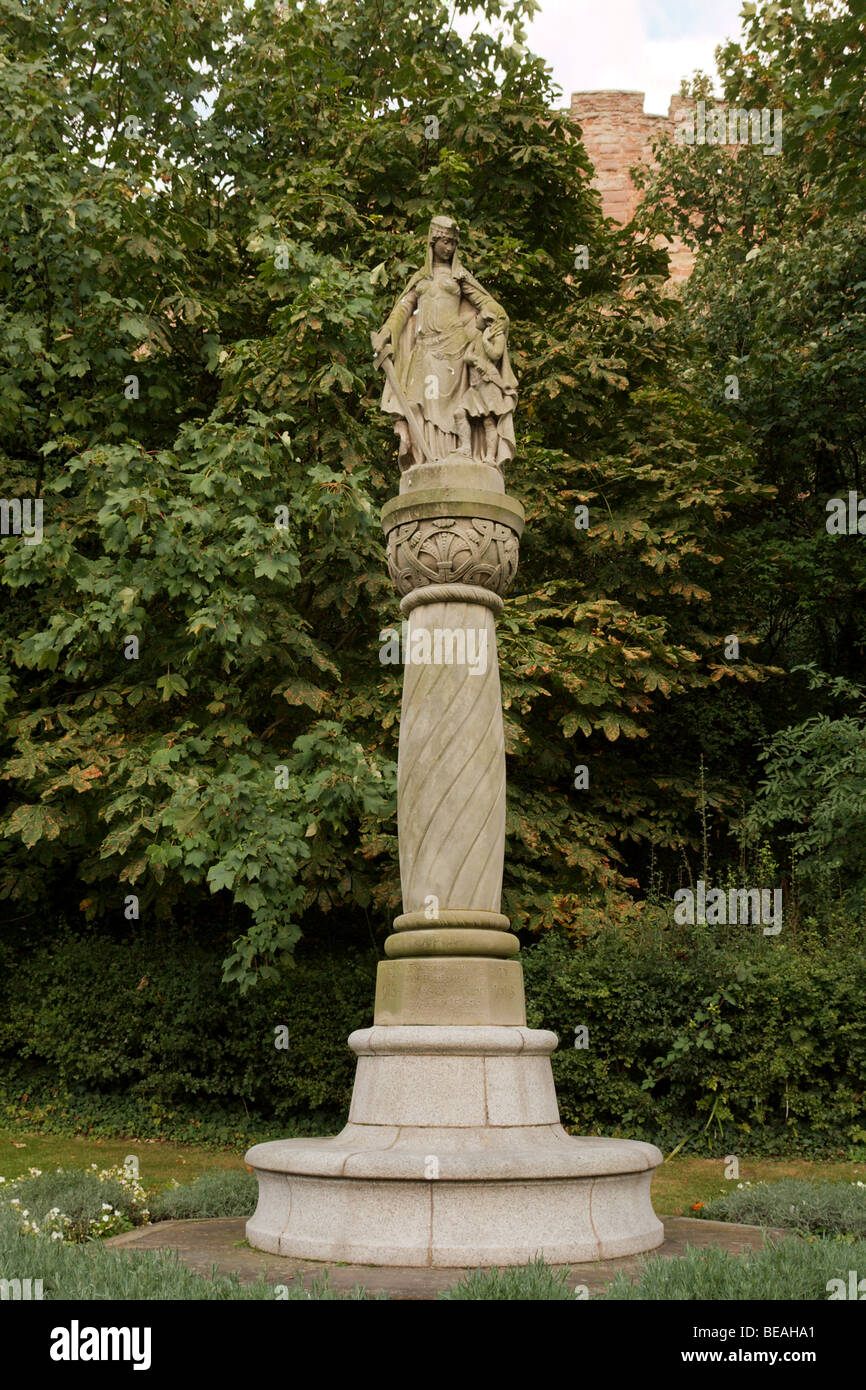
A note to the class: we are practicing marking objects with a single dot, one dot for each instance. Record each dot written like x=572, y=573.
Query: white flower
x=106, y=1206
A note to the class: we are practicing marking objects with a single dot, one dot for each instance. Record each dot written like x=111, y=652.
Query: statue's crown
x=443, y=224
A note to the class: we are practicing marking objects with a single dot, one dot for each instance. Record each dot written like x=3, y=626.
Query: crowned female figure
x=449, y=341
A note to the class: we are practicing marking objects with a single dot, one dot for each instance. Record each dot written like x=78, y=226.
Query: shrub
x=787, y=1270
x=164, y=1049
x=76, y=1204
x=720, y=1038
x=828, y=1208
x=78, y=1273
x=213, y=1194
x=814, y=796
x=713, y=1038
x=536, y=1280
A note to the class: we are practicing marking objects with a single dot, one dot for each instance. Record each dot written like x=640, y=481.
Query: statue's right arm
x=397, y=319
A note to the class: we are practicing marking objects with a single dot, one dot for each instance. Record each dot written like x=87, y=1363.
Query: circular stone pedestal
x=454, y=1156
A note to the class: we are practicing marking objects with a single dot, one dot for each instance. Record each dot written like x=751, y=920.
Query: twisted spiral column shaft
x=451, y=779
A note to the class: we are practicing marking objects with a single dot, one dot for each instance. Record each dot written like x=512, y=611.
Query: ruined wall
x=618, y=133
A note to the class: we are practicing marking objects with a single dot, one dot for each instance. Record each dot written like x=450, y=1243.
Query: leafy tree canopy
x=205, y=209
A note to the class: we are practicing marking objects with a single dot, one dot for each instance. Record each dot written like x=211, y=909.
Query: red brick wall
x=618, y=133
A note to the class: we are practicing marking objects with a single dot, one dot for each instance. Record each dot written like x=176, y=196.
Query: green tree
x=235, y=258
x=778, y=301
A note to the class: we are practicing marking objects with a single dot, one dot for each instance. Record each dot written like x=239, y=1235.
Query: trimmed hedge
x=747, y=1045
x=744, y=1045
x=141, y=1038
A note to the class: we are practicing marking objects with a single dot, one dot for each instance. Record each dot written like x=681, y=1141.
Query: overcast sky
x=638, y=45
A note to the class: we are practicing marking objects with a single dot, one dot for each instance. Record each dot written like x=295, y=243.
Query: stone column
x=452, y=553
x=453, y=1154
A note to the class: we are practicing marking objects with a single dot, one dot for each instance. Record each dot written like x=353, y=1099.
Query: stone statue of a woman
x=449, y=342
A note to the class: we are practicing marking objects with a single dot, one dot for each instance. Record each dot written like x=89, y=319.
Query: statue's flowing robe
x=442, y=365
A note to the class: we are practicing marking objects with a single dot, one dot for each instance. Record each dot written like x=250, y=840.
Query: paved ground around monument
x=220, y=1241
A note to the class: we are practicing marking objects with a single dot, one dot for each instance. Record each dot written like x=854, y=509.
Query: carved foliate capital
x=453, y=550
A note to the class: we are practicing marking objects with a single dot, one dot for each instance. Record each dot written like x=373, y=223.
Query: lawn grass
x=684, y=1180
x=676, y=1185
x=158, y=1162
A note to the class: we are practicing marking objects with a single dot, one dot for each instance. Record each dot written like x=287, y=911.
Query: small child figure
x=485, y=399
